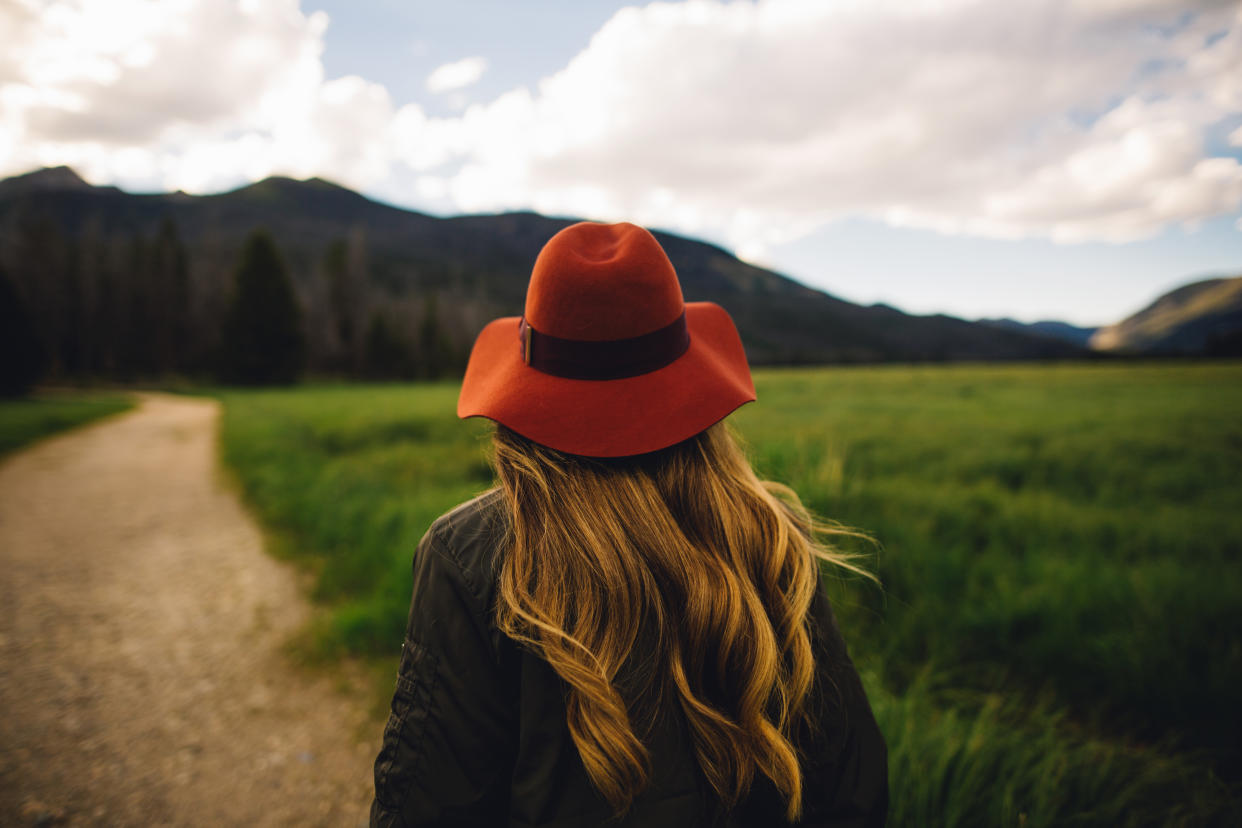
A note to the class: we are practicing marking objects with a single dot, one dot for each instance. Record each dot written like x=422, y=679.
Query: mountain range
x=484, y=261
x=468, y=269
x=1203, y=317
x=1047, y=327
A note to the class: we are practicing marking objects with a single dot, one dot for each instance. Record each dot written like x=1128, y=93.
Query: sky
x=1037, y=159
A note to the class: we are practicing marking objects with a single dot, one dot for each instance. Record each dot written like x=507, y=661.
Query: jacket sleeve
x=449, y=743
x=846, y=778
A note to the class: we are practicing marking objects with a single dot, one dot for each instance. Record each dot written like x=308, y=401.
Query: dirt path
x=141, y=676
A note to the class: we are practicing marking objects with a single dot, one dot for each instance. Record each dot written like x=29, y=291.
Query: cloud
x=123, y=71
x=190, y=94
x=755, y=123
x=760, y=122
x=456, y=75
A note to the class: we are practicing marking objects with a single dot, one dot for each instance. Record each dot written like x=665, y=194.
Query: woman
x=630, y=629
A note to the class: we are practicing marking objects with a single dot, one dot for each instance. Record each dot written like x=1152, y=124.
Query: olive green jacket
x=477, y=733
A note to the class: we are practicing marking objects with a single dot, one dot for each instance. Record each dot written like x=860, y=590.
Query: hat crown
x=602, y=282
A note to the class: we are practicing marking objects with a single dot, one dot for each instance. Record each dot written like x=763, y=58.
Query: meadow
x=24, y=420
x=1057, y=636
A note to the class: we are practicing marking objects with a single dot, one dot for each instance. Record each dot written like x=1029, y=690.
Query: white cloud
x=761, y=122
x=133, y=68
x=456, y=75
x=191, y=94
x=753, y=122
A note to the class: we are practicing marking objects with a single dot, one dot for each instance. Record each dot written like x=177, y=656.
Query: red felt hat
x=608, y=359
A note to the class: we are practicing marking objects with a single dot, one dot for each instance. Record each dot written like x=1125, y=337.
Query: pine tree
x=346, y=268
x=135, y=331
x=435, y=348
x=21, y=352
x=171, y=310
x=387, y=355
x=262, y=340
x=41, y=277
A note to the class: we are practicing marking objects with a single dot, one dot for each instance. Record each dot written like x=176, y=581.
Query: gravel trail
x=142, y=676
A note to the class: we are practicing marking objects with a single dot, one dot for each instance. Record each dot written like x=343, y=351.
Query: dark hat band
x=607, y=359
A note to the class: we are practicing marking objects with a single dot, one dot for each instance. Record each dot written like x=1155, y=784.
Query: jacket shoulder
x=471, y=536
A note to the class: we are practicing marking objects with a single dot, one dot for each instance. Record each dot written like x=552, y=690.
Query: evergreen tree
x=171, y=310
x=345, y=266
x=262, y=338
x=90, y=267
x=41, y=278
x=387, y=353
x=135, y=330
x=339, y=304
x=436, y=353
x=23, y=355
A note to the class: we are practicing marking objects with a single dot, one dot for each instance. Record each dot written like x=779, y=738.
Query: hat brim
x=610, y=418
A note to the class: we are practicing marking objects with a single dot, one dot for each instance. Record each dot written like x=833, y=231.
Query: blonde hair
x=721, y=565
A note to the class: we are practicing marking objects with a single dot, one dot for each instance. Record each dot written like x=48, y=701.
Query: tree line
x=99, y=306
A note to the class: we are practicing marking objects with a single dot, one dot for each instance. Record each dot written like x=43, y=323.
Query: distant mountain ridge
x=49, y=179
x=1051, y=328
x=1203, y=317
x=472, y=267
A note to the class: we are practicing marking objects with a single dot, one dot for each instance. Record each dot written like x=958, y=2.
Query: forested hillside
x=124, y=286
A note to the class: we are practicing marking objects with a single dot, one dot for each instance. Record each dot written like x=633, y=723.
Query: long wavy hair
x=714, y=568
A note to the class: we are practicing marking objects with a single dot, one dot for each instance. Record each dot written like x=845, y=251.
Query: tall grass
x=1073, y=527
x=990, y=760
x=1057, y=640
x=27, y=419
x=349, y=478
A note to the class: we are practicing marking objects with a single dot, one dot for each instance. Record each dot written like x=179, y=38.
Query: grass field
x=1057, y=640
x=27, y=419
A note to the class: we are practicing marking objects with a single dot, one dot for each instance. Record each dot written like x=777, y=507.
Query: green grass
x=1075, y=527
x=1057, y=640
x=990, y=760
x=26, y=419
x=348, y=478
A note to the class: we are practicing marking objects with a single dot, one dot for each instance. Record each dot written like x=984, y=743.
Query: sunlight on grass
x=27, y=419
x=1057, y=637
